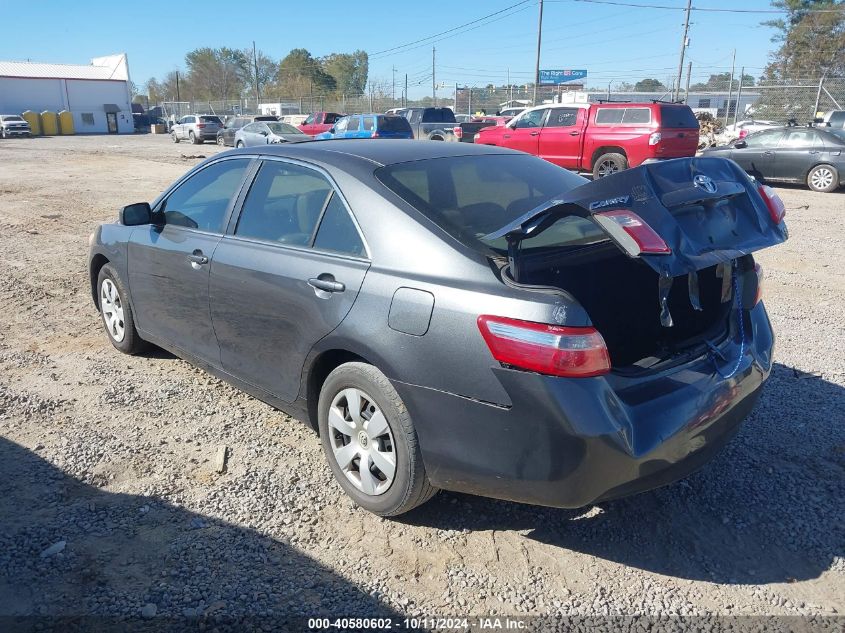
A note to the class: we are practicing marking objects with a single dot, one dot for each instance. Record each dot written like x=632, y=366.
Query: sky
x=613, y=43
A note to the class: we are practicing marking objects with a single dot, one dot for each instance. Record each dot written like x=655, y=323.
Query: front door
x=757, y=157
x=525, y=135
x=284, y=277
x=561, y=137
x=169, y=264
x=111, y=122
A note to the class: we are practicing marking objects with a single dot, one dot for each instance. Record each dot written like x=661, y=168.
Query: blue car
x=369, y=126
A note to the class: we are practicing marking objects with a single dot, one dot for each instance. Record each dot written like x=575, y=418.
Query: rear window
x=211, y=119
x=393, y=124
x=623, y=116
x=677, y=116
x=471, y=196
x=438, y=115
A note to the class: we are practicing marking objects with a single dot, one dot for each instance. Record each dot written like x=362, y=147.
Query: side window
x=531, y=119
x=284, y=204
x=609, y=116
x=763, y=139
x=337, y=232
x=636, y=116
x=252, y=127
x=353, y=123
x=332, y=118
x=201, y=201
x=800, y=138
x=340, y=126
x=368, y=123
x=308, y=120
x=562, y=117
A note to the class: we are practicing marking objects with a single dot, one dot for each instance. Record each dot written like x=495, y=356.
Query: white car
x=742, y=129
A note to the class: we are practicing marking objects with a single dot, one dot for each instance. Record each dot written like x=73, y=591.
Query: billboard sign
x=556, y=77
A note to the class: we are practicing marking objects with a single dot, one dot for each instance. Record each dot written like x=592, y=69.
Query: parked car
x=511, y=112
x=226, y=136
x=369, y=126
x=599, y=137
x=834, y=119
x=439, y=124
x=397, y=297
x=196, y=128
x=807, y=155
x=268, y=132
x=14, y=125
x=319, y=122
x=293, y=119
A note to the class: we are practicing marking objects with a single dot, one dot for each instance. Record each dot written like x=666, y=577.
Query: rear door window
x=677, y=117
x=368, y=123
x=353, y=124
x=800, y=138
x=393, y=124
x=202, y=200
x=337, y=232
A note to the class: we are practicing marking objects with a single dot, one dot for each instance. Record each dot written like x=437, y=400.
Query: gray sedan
x=266, y=133
x=460, y=316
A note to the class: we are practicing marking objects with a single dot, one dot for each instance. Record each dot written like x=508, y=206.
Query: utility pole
x=739, y=95
x=393, y=94
x=509, y=87
x=683, y=50
x=539, y=42
x=730, y=89
x=456, y=97
x=689, y=73
x=433, y=84
x=405, y=97
x=257, y=90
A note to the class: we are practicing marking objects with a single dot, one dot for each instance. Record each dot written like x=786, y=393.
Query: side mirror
x=136, y=214
x=740, y=144
x=331, y=130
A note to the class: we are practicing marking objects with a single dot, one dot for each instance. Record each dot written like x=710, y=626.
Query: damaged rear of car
x=649, y=343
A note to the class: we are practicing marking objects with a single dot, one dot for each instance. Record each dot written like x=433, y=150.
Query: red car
x=319, y=122
x=599, y=137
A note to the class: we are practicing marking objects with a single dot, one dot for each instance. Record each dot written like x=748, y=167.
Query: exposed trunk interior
x=621, y=296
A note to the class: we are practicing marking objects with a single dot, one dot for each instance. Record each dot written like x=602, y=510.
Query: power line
x=709, y=9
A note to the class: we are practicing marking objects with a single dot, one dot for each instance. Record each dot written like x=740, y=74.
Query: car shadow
x=201, y=573
x=767, y=509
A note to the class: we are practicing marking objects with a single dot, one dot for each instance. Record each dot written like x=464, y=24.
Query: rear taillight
x=654, y=138
x=200, y=125
x=459, y=133
x=743, y=133
x=548, y=349
x=476, y=137
x=773, y=202
x=758, y=270
x=632, y=233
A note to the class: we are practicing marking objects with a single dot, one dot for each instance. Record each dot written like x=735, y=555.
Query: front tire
x=239, y=144
x=116, y=312
x=174, y=137
x=370, y=442
x=823, y=178
x=220, y=141
x=608, y=164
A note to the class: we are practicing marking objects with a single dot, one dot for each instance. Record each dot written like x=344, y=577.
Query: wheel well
x=610, y=149
x=96, y=265
x=322, y=366
x=435, y=137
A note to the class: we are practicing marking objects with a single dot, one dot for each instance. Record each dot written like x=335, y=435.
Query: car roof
x=385, y=152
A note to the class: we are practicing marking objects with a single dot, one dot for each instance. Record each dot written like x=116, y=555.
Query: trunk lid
x=706, y=210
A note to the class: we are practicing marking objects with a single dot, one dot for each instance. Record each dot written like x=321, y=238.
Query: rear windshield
x=471, y=196
x=438, y=115
x=393, y=124
x=211, y=119
x=677, y=116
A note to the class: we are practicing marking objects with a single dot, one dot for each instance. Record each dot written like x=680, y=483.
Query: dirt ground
x=109, y=502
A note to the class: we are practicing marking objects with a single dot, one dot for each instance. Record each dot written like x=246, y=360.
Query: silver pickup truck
x=14, y=125
x=196, y=128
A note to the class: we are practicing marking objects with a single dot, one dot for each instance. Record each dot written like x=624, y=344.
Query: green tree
x=720, y=81
x=349, y=70
x=811, y=38
x=649, y=85
x=301, y=74
x=215, y=73
x=267, y=71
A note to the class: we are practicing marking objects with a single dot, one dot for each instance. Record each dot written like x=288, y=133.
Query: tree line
x=227, y=73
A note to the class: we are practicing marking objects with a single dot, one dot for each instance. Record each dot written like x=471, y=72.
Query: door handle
x=814, y=151
x=326, y=284
x=574, y=133
x=197, y=258
x=535, y=133
x=768, y=153
x=506, y=135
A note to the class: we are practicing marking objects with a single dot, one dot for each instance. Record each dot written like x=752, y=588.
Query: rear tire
x=220, y=141
x=823, y=178
x=194, y=138
x=352, y=435
x=174, y=137
x=116, y=312
x=608, y=164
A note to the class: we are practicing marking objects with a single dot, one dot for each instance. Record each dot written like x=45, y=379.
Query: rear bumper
x=571, y=442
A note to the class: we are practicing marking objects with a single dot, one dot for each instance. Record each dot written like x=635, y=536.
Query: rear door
x=797, y=151
x=525, y=135
x=169, y=264
x=353, y=126
x=286, y=274
x=679, y=131
x=756, y=154
x=561, y=137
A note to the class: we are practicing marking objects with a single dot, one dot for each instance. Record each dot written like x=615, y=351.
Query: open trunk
x=621, y=296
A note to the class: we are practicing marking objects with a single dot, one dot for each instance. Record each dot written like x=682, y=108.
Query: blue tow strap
x=740, y=319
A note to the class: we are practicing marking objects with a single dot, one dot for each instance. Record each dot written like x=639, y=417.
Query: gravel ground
x=110, y=504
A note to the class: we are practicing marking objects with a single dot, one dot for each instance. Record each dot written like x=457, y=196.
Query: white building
x=97, y=95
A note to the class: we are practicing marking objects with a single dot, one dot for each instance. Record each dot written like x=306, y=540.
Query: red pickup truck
x=319, y=122
x=599, y=137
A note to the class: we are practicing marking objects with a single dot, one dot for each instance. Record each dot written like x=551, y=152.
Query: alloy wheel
x=822, y=178
x=111, y=306
x=362, y=442
x=607, y=167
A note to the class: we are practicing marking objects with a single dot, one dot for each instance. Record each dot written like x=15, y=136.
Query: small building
x=97, y=94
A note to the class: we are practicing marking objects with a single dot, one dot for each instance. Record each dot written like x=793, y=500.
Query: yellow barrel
x=49, y=123
x=34, y=120
x=66, y=123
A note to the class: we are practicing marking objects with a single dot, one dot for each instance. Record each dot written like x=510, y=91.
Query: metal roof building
x=97, y=94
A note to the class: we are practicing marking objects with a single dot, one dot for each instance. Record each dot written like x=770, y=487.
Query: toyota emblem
x=704, y=182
